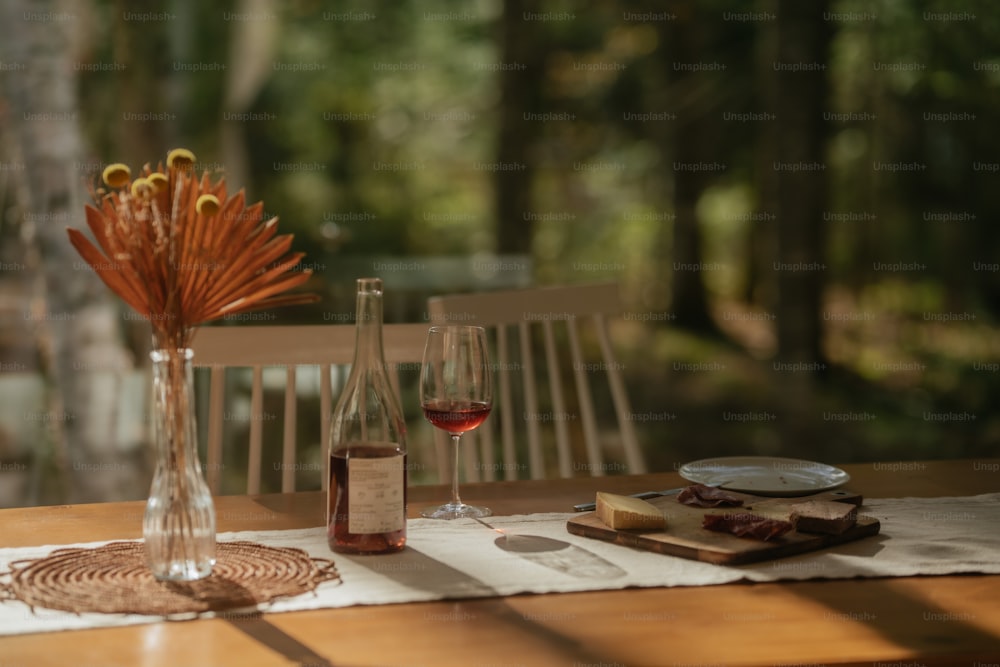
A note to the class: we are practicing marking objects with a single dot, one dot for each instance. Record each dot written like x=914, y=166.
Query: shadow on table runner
x=560, y=556
x=416, y=570
x=412, y=569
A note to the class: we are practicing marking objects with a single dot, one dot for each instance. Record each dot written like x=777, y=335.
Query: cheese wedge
x=627, y=512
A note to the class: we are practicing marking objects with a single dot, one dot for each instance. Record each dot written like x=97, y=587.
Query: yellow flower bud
x=157, y=180
x=117, y=175
x=141, y=187
x=180, y=158
x=207, y=205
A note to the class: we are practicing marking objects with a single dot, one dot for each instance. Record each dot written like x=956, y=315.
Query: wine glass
x=456, y=394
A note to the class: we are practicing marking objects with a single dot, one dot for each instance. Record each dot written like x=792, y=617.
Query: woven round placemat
x=114, y=578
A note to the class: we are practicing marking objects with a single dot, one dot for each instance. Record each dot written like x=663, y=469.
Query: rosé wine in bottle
x=366, y=501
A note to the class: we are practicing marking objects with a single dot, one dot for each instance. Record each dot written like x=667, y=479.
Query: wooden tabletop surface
x=948, y=620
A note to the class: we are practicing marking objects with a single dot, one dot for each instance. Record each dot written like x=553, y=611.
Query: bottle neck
x=368, y=345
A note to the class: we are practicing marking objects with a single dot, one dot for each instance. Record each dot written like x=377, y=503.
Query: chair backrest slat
x=536, y=461
x=216, y=405
x=560, y=415
x=256, y=430
x=633, y=455
x=488, y=471
x=288, y=465
x=325, y=411
x=470, y=458
x=504, y=364
x=443, y=454
x=595, y=459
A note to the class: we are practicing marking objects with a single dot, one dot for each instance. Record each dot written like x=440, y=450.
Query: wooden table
x=949, y=620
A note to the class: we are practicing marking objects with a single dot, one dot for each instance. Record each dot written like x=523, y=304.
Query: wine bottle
x=366, y=502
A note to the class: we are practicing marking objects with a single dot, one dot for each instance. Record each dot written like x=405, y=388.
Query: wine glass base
x=453, y=511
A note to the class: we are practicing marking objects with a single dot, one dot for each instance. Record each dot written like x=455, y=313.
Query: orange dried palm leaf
x=290, y=281
x=115, y=278
x=221, y=228
x=274, y=302
x=257, y=280
x=246, y=266
x=98, y=227
x=276, y=272
x=236, y=264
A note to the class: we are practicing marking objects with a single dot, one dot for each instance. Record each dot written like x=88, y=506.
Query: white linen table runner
x=508, y=555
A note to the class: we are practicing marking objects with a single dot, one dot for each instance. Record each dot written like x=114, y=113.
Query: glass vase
x=179, y=524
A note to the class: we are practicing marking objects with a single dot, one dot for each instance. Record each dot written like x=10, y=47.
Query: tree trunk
x=694, y=163
x=689, y=301
x=251, y=54
x=78, y=324
x=801, y=174
x=136, y=139
x=759, y=285
x=512, y=181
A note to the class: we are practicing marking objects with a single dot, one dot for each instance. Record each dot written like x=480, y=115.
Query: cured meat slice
x=699, y=495
x=746, y=525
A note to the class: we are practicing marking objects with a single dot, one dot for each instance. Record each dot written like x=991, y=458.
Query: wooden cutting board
x=685, y=537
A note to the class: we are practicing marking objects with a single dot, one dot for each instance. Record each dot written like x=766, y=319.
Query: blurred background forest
x=797, y=199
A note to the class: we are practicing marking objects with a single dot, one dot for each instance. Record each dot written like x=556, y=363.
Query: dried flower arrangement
x=181, y=252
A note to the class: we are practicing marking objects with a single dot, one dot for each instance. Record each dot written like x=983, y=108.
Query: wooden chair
x=512, y=316
x=289, y=347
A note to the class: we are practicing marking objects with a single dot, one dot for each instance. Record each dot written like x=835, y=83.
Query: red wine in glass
x=456, y=417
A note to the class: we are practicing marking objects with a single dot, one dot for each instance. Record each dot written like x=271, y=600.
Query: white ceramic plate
x=765, y=475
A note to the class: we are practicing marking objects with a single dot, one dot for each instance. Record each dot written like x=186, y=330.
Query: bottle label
x=375, y=494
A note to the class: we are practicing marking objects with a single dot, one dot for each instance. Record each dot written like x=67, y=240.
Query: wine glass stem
x=455, y=500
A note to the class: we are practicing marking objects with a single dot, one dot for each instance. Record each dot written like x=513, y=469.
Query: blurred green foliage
x=438, y=111
x=371, y=121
